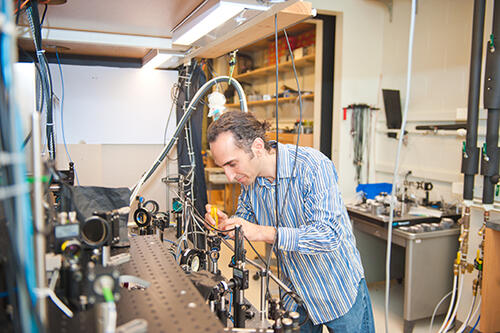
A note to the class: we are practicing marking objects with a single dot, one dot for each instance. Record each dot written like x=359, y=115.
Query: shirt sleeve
x=244, y=209
x=324, y=214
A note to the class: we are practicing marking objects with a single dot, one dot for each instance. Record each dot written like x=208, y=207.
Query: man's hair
x=244, y=127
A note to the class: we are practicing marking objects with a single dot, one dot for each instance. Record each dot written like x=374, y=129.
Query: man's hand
x=253, y=232
x=209, y=220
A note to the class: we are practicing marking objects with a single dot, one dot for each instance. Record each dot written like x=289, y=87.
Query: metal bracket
x=389, y=5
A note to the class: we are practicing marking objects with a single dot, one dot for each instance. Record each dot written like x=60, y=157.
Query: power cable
x=43, y=15
x=296, y=148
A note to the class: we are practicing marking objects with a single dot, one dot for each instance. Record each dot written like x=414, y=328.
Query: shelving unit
x=272, y=101
x=260, y=81
x=265, y=71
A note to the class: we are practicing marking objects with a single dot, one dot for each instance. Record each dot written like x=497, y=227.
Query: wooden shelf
x=271, y=101
x=265, y=71
x=305, y=140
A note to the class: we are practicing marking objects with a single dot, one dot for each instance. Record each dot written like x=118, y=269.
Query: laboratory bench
x=423, y=262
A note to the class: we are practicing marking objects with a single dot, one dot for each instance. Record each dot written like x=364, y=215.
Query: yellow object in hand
x=213, y=213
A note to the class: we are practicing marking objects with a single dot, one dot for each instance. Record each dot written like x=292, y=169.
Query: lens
x=94, y=231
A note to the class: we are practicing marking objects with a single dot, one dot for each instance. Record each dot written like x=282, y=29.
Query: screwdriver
x=213, y=213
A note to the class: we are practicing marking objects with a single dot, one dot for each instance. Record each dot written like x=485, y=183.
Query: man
x=314, y=238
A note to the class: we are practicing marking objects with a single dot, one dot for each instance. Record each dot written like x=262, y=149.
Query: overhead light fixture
x=155, y=58
x=208, y=16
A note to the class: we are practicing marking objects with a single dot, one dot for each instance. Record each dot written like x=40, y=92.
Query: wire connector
x=232, y=64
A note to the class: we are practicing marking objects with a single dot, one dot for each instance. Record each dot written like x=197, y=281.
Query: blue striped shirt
x=315, y=243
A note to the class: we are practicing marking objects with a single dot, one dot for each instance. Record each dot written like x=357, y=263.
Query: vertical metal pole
x=39, y=218
x=263, y=309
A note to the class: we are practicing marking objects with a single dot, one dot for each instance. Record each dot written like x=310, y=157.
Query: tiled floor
x=376, y=294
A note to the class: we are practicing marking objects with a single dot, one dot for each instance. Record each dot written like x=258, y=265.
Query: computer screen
x=392, y=103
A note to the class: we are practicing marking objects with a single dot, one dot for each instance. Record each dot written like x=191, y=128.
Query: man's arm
x=245, y=217
x=253, y=232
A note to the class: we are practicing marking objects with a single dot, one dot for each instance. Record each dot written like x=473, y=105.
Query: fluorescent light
x=101, y=38
x=207, y=21
x=155, y=58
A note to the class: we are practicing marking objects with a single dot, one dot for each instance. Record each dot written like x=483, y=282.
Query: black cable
x=27, y=139
x=196, y=212
x=43, y=15
x=296, y=151
x=34, y=20
x=39, y=73
x=254, y=250
x=276, y=188
x=50, y=115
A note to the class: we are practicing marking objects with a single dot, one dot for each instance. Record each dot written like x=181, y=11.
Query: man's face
x=238, y=164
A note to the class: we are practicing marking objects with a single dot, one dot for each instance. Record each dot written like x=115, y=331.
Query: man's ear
x=258, y=146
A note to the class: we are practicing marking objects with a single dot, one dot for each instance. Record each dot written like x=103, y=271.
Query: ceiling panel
x=87, y=49
x=149, y=18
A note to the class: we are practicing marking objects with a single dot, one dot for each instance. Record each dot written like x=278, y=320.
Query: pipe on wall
x=470, y=157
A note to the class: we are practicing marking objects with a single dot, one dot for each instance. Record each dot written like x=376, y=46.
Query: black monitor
x=392, y=103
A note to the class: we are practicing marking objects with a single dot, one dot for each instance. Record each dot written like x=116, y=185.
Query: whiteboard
x=107, y=105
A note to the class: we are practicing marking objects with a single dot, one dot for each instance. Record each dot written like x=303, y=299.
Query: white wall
x=358, y=64
x=439, y=87
x=372, y=54
x=106, y=105
x=114, y=122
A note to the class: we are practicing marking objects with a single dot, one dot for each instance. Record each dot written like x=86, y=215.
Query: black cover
x=200, y=189
x=86, y=200
x=205, y=282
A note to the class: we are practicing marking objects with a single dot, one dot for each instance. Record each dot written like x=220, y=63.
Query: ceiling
x=127, y=28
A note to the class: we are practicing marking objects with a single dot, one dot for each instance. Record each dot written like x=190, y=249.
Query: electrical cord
x=203, y=225
x=396, y=166
x=276, y=180
x=296, y=148
x=43, y=15
x=34, y=22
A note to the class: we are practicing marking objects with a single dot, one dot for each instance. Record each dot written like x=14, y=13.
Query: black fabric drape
x=198, y=79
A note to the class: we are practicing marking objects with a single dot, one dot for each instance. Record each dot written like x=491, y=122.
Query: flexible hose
x=466, y=321
x=196, y=98
x=475, y=313
x=436, y=308
x=396, y=165
x=447, y=322
x=455, y=279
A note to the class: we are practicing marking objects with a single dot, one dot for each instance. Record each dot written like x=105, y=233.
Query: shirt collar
x=284, y=164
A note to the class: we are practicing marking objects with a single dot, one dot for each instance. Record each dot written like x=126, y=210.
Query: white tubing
x=396, y=164
x=437, y=307
x=466, y=321
x=476, y=311
x=450, y=320
x=460, y=288
x=196, y=98
x=451, y=303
